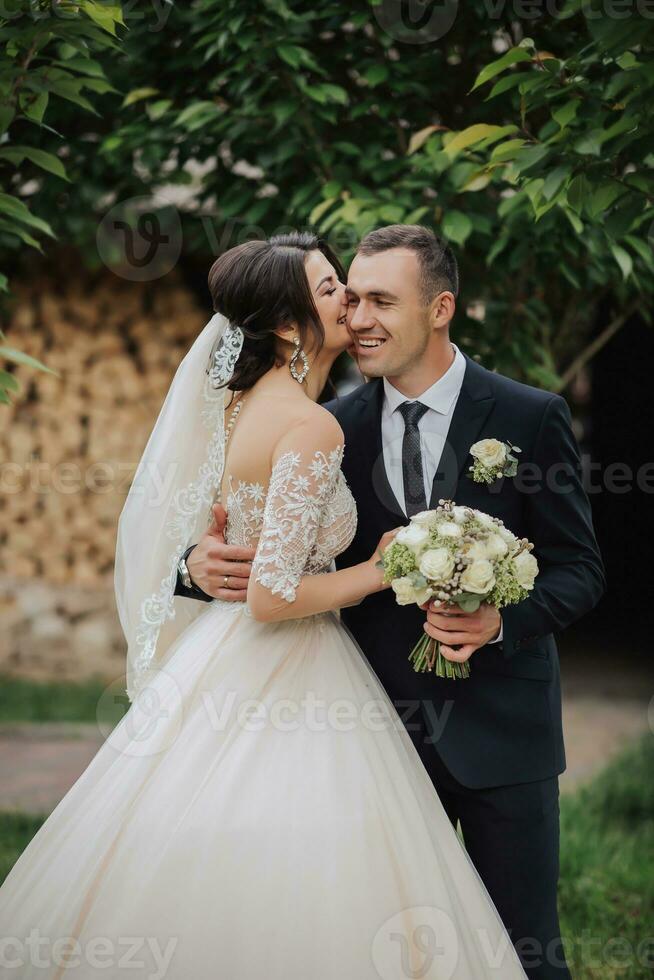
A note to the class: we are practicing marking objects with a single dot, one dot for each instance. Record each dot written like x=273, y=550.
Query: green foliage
x=534, y=159
x=47, y=57
x=571, y=199
x=536, y=164
x=552, y=203
x=47, y=51
x=8, y=382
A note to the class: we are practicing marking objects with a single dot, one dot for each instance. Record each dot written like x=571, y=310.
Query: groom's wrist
x=193, y=591
x=500, y=633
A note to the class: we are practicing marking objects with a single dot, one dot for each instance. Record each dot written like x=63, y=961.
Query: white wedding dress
x=259, y=813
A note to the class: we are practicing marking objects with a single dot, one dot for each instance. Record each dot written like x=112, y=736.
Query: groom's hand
x=455, y=628
x=219, y=569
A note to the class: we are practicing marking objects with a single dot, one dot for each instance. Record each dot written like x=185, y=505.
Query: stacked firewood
x=69, y=444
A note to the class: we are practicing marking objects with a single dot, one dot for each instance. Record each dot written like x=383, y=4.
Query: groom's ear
x=442, y=309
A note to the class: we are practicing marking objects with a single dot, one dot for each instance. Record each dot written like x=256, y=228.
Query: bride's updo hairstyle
x=262, y=285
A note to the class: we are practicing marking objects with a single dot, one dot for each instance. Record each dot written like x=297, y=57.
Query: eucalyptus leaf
x=469, y=602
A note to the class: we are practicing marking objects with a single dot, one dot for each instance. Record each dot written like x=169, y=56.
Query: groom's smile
x=368, y=342
x=364, y=344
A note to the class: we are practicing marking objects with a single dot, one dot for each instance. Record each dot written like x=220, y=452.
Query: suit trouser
x=512, y=836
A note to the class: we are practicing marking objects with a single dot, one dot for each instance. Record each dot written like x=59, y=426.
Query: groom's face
x=388, y=319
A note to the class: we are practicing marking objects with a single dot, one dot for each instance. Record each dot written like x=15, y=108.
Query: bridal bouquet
x=457, y=555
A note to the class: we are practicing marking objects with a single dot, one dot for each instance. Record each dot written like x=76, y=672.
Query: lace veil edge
x=169, y=503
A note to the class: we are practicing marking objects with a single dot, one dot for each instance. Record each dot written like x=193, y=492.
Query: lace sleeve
x=301, y=484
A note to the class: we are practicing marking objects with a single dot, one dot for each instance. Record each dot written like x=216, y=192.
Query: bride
x=259, y=811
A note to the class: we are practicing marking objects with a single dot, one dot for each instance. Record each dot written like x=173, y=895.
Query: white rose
x=525, y=567
x=413, y=536
x=406, y=593
x=437, y=565
x=404, y=590
x=509, y=537
x=496, y=547
x=425, y=518
x=448, y=529
x=460, y=514
x=490, y=452
x=478, y=577
x=485, y=520
x=475, y=550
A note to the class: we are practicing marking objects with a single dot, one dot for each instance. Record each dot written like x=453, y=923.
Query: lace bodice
x=303, y=520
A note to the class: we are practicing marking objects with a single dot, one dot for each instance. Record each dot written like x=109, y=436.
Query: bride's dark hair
x=262, y=285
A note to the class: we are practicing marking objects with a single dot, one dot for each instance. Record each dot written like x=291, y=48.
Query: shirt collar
x=440, y=396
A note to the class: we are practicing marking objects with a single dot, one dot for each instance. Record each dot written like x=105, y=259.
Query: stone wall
x=53, y=632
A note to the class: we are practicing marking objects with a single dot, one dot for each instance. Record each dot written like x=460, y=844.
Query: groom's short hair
x=438, y=266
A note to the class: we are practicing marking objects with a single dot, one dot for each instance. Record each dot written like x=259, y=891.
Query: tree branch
x=593, y=348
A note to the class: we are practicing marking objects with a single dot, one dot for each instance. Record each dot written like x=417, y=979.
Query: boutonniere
x=493, y=459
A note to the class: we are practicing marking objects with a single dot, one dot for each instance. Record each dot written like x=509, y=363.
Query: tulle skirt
x=259, y=813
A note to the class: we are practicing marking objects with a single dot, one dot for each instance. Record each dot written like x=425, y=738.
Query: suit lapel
x=473, y=406
x=370, y=448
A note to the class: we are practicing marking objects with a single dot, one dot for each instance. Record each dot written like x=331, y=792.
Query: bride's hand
x=384, y=542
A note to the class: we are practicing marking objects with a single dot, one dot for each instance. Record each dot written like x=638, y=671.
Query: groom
x=492, y=744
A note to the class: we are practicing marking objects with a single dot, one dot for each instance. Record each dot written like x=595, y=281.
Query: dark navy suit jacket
x=502, y=725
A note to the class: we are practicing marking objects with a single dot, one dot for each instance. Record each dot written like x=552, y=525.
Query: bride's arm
x=304, y=475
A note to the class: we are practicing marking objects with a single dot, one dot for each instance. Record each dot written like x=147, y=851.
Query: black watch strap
x=195, y=592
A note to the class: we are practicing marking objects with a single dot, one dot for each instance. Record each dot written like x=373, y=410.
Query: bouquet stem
x=426, y=657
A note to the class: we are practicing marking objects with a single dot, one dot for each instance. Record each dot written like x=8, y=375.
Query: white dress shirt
x=440, y=399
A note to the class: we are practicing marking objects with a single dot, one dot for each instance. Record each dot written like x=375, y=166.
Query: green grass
x=16, y=831
x=607, y=870
x=23, y=700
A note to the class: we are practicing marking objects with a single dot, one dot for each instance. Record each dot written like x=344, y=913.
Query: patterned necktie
x=412, y=475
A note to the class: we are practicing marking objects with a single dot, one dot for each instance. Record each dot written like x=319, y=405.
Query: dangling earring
x=299, y=352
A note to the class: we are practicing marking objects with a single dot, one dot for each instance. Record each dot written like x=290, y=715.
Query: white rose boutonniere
x=493, y=459
x=525, y=569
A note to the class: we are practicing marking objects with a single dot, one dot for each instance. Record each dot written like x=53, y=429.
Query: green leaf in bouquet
x=469, y=602
x=418, y=581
